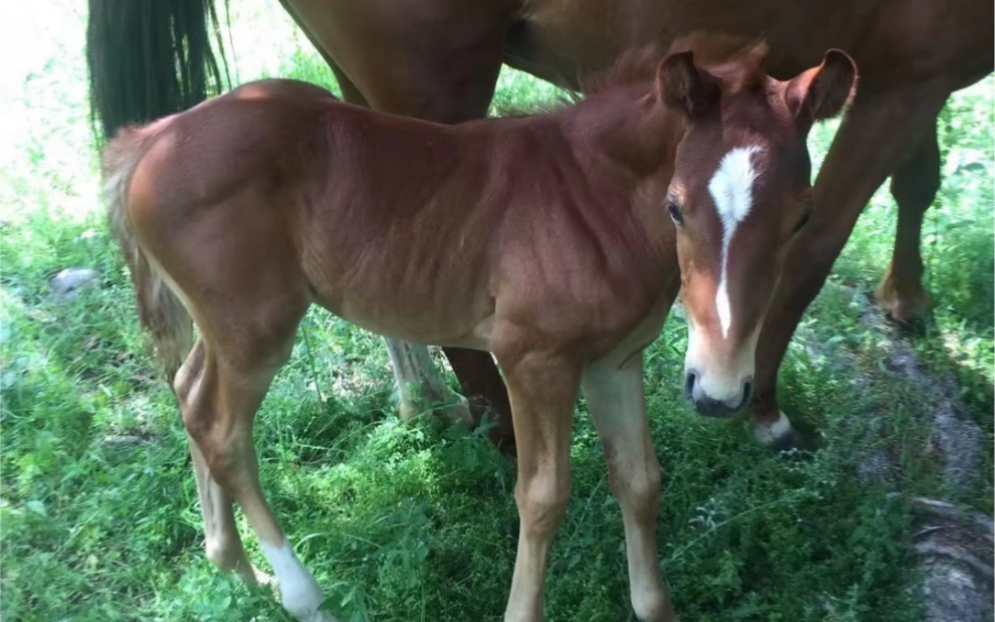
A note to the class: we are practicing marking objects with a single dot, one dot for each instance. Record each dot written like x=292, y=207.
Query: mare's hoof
x=905, y=308
x=794, y=440
x=781, y=435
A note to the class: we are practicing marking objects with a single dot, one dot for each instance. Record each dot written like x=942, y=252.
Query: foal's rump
x=259, y=202
x=200, y=197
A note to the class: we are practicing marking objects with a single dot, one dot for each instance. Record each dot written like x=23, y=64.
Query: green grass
x=418, y=523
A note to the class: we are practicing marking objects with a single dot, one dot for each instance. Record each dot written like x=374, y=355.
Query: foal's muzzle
x=706, y=405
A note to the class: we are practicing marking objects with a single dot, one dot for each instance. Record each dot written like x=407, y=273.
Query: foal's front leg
x=543, y=390
x=615, y=397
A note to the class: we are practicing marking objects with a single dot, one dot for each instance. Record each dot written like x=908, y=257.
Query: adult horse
x=576, y=225
x=439, y=59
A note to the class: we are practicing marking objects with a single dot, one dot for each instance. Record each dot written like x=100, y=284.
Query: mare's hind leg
x=219, y=402
x=421, y=387
x=914, y=186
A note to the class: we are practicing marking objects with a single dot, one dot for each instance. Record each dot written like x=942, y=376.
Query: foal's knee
x=636, y=485
x=542, y=501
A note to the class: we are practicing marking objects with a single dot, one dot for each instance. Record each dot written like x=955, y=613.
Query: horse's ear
x=823, y=91
x=684, y=87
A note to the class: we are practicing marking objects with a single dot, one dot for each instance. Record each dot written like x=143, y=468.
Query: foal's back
x=303, y=198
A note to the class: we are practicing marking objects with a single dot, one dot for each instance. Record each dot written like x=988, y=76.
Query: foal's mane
x=734, y=59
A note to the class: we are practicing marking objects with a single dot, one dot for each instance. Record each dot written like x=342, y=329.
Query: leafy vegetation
x=98, y=505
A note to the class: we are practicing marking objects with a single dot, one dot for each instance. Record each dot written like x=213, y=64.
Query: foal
x=569, y=226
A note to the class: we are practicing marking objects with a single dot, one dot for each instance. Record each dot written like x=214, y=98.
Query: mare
x=576, y=227
x=439, y=60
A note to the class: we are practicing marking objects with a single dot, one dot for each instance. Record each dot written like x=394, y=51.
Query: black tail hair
x=151, y=58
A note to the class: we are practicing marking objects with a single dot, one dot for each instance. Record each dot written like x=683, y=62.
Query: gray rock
x=955, y=548
x=67, y=284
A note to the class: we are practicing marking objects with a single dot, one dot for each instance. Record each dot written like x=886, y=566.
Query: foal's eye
x=675, y=212
x=801, y=223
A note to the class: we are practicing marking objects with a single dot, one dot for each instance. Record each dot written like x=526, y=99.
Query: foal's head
x=739, y=193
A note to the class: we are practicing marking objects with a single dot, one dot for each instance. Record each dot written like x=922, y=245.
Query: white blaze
x=731, y=188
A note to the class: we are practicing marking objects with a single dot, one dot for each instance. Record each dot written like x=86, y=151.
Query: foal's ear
x=684, y=87
x=821, y=92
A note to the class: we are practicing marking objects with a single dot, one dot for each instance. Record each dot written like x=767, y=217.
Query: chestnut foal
x=552, y=241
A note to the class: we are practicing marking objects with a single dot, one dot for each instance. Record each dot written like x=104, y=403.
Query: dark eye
x=675, y=212
x=801, y=223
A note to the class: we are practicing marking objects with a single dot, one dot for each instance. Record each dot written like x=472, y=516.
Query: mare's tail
x=160, y=310
x=150, y=58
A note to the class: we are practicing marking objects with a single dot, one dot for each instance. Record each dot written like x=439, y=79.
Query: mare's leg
x=420, y=385
x=482, y=384
x=450, y=80
x=914, y=186
x=877, y=132
x=543, y=390
x=615, y=397
x=219, y=404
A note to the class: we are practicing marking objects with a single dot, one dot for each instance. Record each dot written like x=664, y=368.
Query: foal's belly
x=428, y=319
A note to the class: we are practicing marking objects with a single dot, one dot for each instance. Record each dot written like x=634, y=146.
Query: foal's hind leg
x=222, y=542
x=219, y=404
x=914, y=186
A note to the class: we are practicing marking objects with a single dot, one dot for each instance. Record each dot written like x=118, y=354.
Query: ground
x=98, y=504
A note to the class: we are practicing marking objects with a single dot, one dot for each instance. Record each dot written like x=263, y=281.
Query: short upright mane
x=733, y=59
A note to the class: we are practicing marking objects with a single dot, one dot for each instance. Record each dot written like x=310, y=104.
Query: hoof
x=780, y=435
x=499, y=428
x=795, y=440
x=454, y=409
x=902, y=307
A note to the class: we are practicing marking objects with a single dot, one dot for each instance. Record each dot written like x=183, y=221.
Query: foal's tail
x=161, y=312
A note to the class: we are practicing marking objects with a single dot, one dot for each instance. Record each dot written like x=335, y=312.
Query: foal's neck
x=630, y=128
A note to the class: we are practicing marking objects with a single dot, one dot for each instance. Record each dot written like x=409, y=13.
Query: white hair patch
x=731, y=188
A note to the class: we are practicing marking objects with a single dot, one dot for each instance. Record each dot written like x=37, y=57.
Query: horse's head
x=740, y=192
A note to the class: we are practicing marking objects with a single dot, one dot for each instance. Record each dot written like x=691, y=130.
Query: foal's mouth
x=710, y=407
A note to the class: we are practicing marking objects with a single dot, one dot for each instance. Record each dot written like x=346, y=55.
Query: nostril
x=690, y=379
